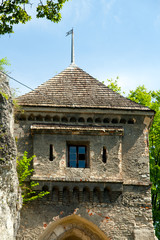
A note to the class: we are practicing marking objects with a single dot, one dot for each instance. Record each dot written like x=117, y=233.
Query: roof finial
x=72, y=45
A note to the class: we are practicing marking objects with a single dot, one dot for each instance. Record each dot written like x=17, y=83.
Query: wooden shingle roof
x=73, y=87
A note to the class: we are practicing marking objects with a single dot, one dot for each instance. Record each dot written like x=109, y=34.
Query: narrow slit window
x=51, y=152
x=104, y=155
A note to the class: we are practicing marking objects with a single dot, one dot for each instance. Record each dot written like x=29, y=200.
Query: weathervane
x=72, y=44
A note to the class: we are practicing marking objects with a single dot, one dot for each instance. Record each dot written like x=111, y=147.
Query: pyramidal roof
x=73, y=87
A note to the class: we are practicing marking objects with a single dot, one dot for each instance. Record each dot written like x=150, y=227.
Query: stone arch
x=72, y=227
x=47, y=118
x=64, y=119
x=114, y=120
x=55, y=194
x=31, y=117
x=75, y=196
x=131, y=121
x=106, y=120
x=66, y=195
x=97, y=120
x=39, y=118
x=86, y=194
x=90, y=120
x=56, y=118
x=96, y=195
x=123, y=120
x=81, y=119
x=73, y=119
x=22, y=117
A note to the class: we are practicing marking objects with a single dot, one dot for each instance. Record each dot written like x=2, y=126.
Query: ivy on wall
x=25, y=171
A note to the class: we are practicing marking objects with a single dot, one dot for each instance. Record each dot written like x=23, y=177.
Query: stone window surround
x=78, y=144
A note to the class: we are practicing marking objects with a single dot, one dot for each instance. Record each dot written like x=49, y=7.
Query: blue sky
x=112, y=38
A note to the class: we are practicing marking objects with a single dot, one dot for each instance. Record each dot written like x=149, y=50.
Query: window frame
x=77, y=145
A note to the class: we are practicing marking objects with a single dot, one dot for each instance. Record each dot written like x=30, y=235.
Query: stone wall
x=124, y=137
x=114, y=195
x=129, y=217
x=10, y=201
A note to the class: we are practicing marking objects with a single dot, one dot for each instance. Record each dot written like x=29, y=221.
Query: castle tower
x=91, y=147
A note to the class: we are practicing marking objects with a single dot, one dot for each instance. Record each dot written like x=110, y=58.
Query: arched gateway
x=72, y=227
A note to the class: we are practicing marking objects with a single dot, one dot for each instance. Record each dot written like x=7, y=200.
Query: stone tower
x=91, y=147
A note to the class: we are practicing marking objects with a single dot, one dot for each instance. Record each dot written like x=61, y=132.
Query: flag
x=70, y=32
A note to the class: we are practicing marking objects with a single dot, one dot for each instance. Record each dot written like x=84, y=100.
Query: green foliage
x=141, y=95
x=4, y=94
x=14, y=12
x=24, y=171
x=4, y=62
x=113, y=84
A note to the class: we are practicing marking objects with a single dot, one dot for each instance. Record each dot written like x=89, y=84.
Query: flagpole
x=72, y=48
x=72, y=44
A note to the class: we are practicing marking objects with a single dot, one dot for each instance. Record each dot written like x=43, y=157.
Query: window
x=51, y=152
x=77, y=156
x=104, y=155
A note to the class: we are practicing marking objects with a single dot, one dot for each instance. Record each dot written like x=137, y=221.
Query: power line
x=44, y=95
x=17, y=81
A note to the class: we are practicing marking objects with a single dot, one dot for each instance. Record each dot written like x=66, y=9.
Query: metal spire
x=72, y=45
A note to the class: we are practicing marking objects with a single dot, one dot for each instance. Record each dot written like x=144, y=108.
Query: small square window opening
x=77, y=156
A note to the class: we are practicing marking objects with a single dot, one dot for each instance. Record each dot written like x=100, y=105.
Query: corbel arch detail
x=72, y=227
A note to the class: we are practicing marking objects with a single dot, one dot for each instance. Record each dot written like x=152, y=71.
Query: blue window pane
x=72, y=157
x=73, y=164
x=72, y=149
x=81, y=150
x=81, y=164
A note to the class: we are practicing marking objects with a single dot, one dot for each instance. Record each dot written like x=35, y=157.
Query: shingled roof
x=73, y=87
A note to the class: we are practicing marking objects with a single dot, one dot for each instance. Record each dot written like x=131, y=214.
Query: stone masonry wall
x=114, y=195
x=10, y=201
x=129, y=217
x=128, y=164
